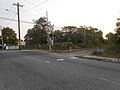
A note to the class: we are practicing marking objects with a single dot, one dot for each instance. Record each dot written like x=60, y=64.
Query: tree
x=59, y=36
x=118, y=36
x=69, y=29
x=82, y=35
x=38, y=34
x=114, y=40
x=9, y=36
x=111, y=38
x=91, y=36
x=70, y=33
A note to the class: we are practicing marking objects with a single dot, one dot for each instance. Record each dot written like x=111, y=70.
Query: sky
x=101, y=14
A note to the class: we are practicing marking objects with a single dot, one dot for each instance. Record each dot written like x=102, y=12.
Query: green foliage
x=44, y=47
x=117, y=35
x=97, y=53
x=76, y=46
x=63, y=45
x=111, y=39
x=115, y=50
x=86, y=36
x=9, y=36
x=83, y=45
x=37, y=35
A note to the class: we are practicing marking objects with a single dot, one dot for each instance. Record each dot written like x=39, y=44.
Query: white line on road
x=60, y=59
x=47, y=61
x=73, y=58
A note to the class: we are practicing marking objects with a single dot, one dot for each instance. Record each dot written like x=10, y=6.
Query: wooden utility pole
x=18, y=5
x=1, y=28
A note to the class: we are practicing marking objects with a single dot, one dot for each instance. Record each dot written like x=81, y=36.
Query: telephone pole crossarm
x=17, y=4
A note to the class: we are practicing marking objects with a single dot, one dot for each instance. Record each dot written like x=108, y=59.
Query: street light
x=10, y=11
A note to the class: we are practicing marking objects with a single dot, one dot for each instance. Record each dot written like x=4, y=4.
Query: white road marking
x=73, y=58
x=47, y=61
x=60, y=59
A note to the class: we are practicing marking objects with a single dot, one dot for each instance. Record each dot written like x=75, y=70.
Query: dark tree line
x=68, y=35
x=83, y=35
x=72, y=35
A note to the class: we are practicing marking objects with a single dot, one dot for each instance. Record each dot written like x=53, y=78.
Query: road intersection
x=41, y=70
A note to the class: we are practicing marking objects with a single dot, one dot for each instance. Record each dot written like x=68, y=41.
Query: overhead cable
x=15, y=20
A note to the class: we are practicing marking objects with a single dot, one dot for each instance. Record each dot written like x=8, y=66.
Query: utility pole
x=85, y=30
x=18, y=5
x=49, y=33
x=1, y=28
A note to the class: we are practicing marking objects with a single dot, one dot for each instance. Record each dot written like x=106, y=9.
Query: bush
x=97, y=53
x=63, y=45
x=82, y=45
x=76, y=46
x=114, y=51
x=44, y=47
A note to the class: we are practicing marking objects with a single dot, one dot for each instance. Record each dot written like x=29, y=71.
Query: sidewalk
x=86, y=53
x=100, y=58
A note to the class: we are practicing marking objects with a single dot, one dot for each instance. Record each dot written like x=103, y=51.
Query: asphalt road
x=40, y=70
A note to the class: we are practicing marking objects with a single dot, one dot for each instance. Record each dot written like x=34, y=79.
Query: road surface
x=40, y=70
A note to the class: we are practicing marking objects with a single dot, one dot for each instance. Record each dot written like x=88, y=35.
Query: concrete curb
x=100, y=58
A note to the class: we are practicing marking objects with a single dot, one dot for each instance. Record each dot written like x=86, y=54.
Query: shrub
x=82, y=45
x=63, y=45
x=97, y=53
x=76, y=46
x=44, y=47
x=114, y=51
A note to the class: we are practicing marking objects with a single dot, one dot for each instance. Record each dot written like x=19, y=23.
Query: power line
x=9, y=19
x=8, y=14
x=23, y=1
x=2, y=13
x=9, y=10
x=28, y=4
x=35, y=6
x=12, y=15
x=32, y=1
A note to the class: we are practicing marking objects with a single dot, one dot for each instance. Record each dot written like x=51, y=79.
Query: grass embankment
x=113, y=52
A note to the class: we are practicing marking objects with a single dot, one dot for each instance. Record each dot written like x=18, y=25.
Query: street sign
x=20, y=42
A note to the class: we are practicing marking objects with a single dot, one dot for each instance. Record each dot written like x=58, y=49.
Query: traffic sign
x=20, y=42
